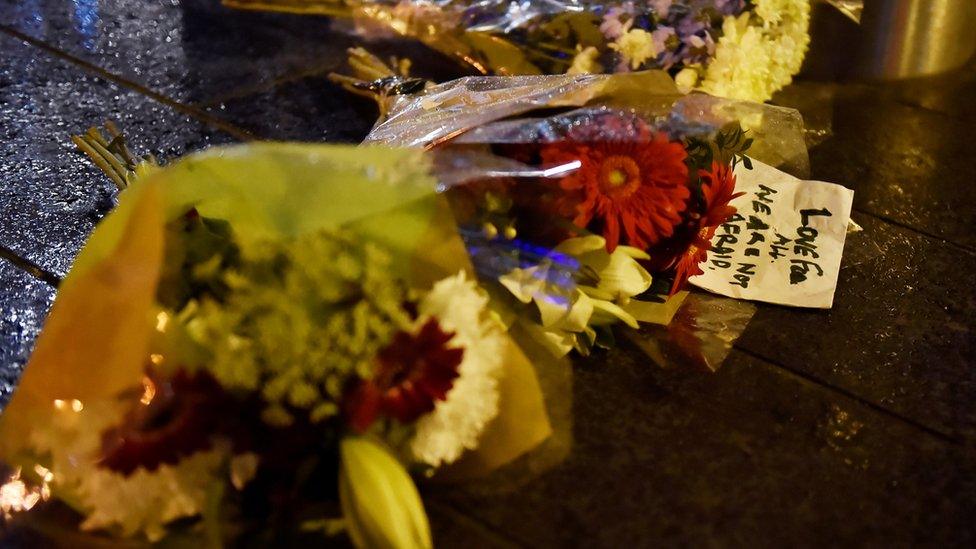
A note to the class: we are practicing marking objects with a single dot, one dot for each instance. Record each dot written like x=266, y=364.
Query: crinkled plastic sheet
x=483, y=110
x=700, y=336
x=507, y=15
x=525, y=36
x=815, y=102
x=490, y=15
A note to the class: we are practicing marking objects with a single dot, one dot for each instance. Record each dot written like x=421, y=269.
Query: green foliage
x=728, y=146
x=295, y=319
x=198, y=250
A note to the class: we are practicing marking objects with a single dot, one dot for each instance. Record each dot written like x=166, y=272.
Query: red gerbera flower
x=637, y=185
x=412, y=373
x=173, y=418
x=718, y=185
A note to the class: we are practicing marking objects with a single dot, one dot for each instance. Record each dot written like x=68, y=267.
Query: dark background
x=853, y=426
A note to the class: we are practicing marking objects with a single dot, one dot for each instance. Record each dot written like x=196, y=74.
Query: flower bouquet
x=743, y=49
x=592, y=200
x=262, y=339
x=247, y=349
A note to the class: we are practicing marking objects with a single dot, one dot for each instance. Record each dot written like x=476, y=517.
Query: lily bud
x=379, y=500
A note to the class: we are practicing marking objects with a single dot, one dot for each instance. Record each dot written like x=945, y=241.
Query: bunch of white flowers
x=759, y=51
x=456, y=422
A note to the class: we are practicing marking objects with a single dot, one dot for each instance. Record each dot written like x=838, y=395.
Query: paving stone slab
x=900, y=334
x=24, y=304
x=50, y=196
x=191, y=51
x=749, y=456
x=907, y=164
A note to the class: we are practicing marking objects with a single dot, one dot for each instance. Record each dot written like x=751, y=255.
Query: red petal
x=362, y=406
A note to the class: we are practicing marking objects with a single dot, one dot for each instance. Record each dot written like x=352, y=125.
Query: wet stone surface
x=193, y=51
x=911, y=165
x=898, y=334
x=51, y=196
x=306, y=106
x=24, y=303
x=750, y=455
x=308, y=109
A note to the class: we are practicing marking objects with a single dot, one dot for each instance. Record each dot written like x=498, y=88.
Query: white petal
x=624, y=277
x=608, y=310
x=581, y=245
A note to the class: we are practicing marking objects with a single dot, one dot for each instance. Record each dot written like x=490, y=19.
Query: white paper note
x=785, y=243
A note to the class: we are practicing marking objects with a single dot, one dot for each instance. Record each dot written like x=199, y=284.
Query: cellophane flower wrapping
x=257, y=333
x=741, y=49
x=589, y=200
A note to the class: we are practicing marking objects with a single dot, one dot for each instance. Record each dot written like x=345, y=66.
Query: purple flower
x=690, y=24
x=613, y=25
x=730, y=7
x=661, y=7
x=665, y=40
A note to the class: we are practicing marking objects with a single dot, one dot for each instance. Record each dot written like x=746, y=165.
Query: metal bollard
x=907, y=38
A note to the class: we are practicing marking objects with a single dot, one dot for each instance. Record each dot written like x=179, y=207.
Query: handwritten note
x=784, y=244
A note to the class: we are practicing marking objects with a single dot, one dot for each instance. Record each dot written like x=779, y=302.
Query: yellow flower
x=757, y=56
x=568, y=316
x=585, y=61
x=686, y=79
x=636, y=46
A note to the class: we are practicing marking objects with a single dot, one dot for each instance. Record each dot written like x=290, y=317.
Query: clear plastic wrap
x=731, y=48
x=482, y=109
x=850, y=8
x=700, y=336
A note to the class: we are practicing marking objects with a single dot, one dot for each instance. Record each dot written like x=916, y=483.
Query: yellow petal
x=607, y=309
x=581, y=245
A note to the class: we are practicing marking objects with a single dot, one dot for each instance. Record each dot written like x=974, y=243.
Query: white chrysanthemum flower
x=145, y=502
x=457, y=422
x=141, y=503
x=759, y=52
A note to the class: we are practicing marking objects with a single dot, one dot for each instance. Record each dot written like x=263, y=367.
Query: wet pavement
x=841, y=427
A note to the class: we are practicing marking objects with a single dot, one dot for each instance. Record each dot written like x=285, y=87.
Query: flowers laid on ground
x=251, y=349
x=742, y=49
x=265, y=341
x=584, y=246
x=571, y=314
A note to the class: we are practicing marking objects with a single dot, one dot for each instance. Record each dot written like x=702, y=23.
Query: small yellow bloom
x=585, y=61
x=686, y=79
x=636, y=46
